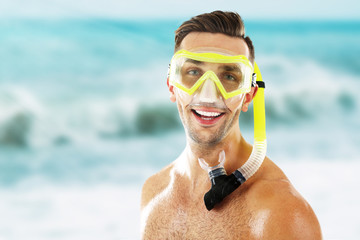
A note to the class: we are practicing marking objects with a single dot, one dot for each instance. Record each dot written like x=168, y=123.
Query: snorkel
x=222, y=184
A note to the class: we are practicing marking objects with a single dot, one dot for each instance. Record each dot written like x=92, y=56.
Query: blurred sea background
x=85, y=118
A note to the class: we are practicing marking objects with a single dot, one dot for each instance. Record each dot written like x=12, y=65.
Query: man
x=210, y=81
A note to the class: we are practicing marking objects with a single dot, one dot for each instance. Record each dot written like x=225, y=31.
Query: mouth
x=207, y=117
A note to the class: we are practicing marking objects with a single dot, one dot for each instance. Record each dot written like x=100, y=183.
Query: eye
x=193, y=72
x=229, y=77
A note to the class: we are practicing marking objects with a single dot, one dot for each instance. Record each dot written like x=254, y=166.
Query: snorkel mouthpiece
x=221, y=186
x=221, y=183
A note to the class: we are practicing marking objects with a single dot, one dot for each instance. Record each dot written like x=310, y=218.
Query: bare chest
x=173, y=218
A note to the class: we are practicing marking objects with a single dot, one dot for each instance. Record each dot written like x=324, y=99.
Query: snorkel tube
x=222, y=184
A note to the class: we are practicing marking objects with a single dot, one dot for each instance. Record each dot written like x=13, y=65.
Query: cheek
x=235, y=103
x=183, y=99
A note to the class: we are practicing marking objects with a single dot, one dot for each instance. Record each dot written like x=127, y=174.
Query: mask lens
x=231, y=76
x=190, y=70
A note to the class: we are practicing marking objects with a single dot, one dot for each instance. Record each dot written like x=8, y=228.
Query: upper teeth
x=208, y=114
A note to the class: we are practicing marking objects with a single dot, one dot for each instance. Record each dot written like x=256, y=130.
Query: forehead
x=199, y=40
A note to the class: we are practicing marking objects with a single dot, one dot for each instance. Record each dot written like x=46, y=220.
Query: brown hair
x=228, y=23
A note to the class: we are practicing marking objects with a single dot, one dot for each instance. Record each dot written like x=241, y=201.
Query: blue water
x=85, y=102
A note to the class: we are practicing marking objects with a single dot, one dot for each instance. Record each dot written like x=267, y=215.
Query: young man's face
x=208, y=122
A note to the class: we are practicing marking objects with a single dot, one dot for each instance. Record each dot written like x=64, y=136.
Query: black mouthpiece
x=221, y=187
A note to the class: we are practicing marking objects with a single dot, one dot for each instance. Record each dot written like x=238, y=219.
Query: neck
x=237, y=151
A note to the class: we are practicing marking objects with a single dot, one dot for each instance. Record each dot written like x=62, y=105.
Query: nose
x=208, y=92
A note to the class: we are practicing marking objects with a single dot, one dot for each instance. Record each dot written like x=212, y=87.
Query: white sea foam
x=301, y=88
x=53, y=212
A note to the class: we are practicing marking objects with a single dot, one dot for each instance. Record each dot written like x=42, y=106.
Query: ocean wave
x=26, y=121
x=18, y=109
x=300, y=90
x=297, y=92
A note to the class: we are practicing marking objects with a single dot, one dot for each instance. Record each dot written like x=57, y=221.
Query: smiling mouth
x=207, y=117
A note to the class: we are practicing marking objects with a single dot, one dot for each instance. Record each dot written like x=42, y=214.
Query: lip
x=207, y=120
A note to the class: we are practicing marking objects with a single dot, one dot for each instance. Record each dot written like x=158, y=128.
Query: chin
x=205, y=137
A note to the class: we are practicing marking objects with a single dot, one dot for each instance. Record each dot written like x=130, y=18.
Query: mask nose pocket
x=208, y=91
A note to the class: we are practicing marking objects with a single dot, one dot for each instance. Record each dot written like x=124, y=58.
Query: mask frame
x=210, y=57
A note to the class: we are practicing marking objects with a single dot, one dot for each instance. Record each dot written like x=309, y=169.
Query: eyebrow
x=194, y=62
x=230, y=68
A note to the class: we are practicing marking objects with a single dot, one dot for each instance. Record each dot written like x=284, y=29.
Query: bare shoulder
x=155, y=184
x=284, y=213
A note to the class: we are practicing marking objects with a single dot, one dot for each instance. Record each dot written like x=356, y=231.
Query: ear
x=248, y=98
x=171, y=90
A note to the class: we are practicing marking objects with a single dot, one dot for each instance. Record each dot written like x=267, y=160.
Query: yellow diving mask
x=231, y=74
